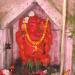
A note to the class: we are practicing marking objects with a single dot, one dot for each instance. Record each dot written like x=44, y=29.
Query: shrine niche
x=54, y=30
x=38, y=49
x=33, y=40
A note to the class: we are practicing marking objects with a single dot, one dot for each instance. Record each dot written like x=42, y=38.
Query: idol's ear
x=31, y=13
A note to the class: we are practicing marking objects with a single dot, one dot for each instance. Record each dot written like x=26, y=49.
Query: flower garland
x=35, y=43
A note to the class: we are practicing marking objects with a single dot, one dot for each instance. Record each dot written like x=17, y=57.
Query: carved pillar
x=2, y=49
x=8, y=49
x=15, y=46
x=5, y=48
x=68, y=53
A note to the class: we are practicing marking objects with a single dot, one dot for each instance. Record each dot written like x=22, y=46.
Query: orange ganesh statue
x=34, y=39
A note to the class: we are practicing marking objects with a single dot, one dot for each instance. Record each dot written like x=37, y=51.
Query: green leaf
x=30, y=65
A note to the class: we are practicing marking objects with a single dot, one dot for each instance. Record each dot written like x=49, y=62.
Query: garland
x=36, y=43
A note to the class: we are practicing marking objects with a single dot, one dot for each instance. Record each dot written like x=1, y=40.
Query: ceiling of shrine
x=13, y=10
x=7, y=5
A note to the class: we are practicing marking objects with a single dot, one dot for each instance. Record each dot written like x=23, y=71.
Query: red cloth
x=35, y=28
x=1, y=73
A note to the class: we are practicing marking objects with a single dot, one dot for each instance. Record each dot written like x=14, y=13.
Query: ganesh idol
x=34, y=39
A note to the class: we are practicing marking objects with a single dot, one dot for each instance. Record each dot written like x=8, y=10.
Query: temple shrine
x=30, y=38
